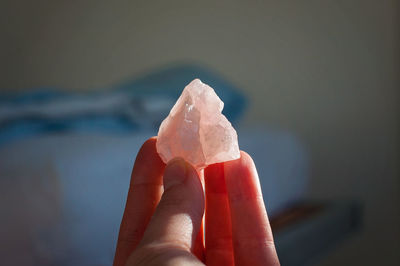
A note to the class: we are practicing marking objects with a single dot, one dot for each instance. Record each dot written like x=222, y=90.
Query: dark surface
x=306, y=231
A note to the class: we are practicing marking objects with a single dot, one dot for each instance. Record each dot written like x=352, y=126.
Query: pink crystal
x=196, y=130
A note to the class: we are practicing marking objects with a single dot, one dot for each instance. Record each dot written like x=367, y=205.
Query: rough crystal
x=196, y=130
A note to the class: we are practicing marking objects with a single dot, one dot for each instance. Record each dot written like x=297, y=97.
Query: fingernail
x=175, y=173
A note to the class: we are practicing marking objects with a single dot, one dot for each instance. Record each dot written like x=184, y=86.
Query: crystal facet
x=196, y=130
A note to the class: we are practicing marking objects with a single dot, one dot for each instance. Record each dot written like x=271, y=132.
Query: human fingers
x=144, y=193
x=253, y=242
x=198, y=248
x=177, y=219
x=219, y=250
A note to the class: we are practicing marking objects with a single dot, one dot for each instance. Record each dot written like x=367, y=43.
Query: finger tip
x=189, y=166
x=245, y=158
x=176, y=160
x=214, y=169
x=148, y=151
x=180, y=165
x=148, y=162
x=149, y=144
x=241, y=176
x=244, y=162
x=214, y=178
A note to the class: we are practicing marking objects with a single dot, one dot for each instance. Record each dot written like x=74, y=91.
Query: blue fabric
x=170, y=82
x=36, y=95
x=166, y=83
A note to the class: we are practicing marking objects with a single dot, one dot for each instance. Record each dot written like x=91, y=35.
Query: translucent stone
x=196, y=130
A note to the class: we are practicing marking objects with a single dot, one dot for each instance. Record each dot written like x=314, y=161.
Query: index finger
x=144, y=193
x=253, y=243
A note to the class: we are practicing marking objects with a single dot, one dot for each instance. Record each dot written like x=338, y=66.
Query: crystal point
x=196, y=130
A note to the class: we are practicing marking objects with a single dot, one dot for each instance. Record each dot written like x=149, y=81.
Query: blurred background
x=316, y=81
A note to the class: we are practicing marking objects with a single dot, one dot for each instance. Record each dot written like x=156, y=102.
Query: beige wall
x=326, y=70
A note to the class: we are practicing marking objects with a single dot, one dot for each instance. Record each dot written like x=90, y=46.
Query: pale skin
x=162, y=222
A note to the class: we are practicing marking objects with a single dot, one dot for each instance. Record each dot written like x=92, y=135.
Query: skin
x=162, y=222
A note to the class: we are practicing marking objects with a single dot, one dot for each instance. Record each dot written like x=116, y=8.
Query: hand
x=162, y=222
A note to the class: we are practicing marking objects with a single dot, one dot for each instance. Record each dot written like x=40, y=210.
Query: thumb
x=177, y=219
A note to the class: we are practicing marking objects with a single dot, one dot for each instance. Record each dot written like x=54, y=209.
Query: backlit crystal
x=196, y=130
